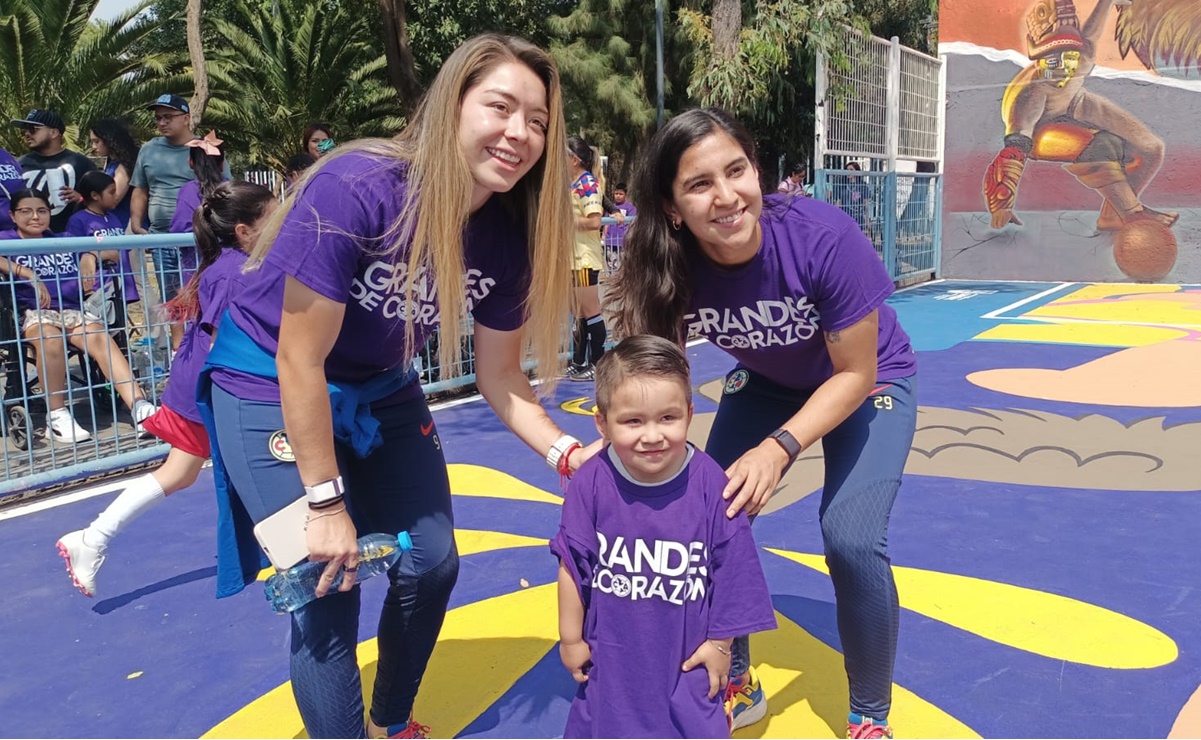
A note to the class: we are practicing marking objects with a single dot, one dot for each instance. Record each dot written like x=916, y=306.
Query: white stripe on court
x=997, y=313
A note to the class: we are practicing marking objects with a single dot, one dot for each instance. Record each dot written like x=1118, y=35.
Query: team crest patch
x=736, y=381
x=279, y=447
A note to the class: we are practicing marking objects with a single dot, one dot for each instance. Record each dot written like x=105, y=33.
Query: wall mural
x=1094, y=161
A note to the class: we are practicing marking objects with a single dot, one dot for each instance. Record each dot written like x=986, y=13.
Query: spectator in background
x=161, y=169
x=854, y=197
x=49, y=290
x=98, y=219
x=588, y=342
x=615, y=234
x=794, y=184
x=112, y=140
x=296, y=166
x=318, y=139
x=207, y=160
x=49, y=166
x=10, y=182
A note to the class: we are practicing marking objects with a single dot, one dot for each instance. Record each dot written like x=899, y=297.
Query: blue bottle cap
x=405, y=541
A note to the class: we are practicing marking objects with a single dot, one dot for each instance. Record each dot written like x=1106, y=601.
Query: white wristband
x=558, y=449
x=325, y=491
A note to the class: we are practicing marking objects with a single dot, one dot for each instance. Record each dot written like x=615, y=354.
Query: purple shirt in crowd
x=815, y=273
x=660, y=570
x=186, y=203
x=86, y=223
x=330, y=242
x=58, y=271
x=10, y=182
x=615, y=234
x=214, y=294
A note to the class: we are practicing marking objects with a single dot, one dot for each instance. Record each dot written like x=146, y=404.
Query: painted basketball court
x=1044, y=547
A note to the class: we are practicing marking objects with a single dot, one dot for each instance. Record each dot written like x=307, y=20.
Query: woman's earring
x=675, y=224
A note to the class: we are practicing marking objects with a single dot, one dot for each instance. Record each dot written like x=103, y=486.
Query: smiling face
x=314, y=143
x=502, y=129
x=647, y=425
x=716, y=195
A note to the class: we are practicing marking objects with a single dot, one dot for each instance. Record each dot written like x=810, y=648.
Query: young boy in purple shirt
x=654, y=580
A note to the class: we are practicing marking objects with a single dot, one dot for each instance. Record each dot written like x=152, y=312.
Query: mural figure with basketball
x=1050, y=117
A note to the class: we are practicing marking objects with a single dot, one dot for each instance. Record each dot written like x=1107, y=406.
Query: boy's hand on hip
x=717, y=663
x=577, y=658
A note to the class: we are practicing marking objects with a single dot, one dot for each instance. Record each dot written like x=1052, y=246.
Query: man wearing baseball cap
x=160, y=171
x=49, y=166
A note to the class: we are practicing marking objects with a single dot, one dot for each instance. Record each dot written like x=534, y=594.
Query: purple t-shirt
x=615, y=234
x=330, y=242
x=10, y=182
x=58, y=271
x=86, y=223
x=816, y=272
x=186, y=204
x=660, y=570
x=214, y=294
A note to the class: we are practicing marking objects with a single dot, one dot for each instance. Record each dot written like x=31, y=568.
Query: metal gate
x=879, y=148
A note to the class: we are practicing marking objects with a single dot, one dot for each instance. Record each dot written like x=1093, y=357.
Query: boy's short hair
x=620, y=186
x=640, y=356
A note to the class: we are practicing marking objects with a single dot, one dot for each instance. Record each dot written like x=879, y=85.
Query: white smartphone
x=282, y=536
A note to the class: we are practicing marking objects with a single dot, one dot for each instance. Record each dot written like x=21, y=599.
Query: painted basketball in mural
x=1145, y=251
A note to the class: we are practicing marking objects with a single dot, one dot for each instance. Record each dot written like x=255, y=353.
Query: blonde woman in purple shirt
x=793, y=291
x=464, y=213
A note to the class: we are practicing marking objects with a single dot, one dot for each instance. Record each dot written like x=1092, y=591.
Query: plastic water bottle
x=142, y=357
x=297, y=586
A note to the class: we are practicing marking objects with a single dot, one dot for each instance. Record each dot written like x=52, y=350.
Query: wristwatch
x=785, y=439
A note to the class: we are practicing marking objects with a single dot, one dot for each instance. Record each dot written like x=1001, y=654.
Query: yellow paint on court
x=806, y=687
x=1046, y=624
x=472, y=541
x=476, y=480
x=1094, y=334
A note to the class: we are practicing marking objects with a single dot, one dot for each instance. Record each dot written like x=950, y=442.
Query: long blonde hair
x=438, y=201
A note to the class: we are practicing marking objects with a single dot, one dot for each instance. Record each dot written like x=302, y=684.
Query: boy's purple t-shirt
x=86, y=223
x=213, y=294
x=10, y=182
x=59, y=272
x=330, y=242
x=815, y=273
x=660, y=570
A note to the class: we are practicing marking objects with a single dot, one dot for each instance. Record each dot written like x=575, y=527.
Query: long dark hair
x=654, y=285
x=122, y=147
x=577, y=146
x=214, y=224
x=208, y=168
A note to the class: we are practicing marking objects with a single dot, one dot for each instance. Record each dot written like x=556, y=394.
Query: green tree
x=51, y=56
x=756, y=59
x=272, y=72
x=605, y=50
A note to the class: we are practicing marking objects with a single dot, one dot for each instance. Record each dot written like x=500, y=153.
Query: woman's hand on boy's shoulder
x=577, y=458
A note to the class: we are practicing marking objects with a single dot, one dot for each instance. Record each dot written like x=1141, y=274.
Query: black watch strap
x=790, y=444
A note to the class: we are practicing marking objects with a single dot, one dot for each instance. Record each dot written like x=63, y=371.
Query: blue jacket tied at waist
x=239, y=558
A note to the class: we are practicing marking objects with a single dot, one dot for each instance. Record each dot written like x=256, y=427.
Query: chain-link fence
x=879, y=148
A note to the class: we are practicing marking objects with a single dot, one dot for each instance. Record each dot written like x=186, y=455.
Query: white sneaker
x=83, y=561
x=142, y=410
x=62, y=427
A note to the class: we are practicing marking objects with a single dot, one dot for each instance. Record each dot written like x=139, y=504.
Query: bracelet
x=560, y=450
x=310, y=517
x=331, y=503
x=720, y=649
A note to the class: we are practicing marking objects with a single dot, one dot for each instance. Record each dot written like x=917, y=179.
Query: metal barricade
x=880, y=106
